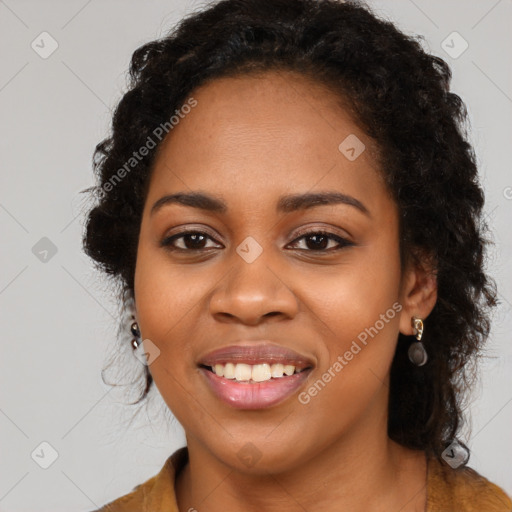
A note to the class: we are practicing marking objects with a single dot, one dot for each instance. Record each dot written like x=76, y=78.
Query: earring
x=134, y=328
x=129, y=317
x=417, y=353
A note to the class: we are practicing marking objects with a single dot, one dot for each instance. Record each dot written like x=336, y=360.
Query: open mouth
x=254, y=375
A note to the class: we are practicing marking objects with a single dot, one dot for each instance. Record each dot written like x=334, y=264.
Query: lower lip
x=244, y=395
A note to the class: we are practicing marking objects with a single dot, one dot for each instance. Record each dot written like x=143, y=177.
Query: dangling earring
x=417, y=353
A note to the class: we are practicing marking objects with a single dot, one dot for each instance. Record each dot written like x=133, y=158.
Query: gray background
x=58, y=316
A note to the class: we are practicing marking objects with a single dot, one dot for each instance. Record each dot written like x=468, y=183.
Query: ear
x=418, y=293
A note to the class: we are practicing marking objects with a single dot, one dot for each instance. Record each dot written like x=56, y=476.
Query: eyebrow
x=285, y=204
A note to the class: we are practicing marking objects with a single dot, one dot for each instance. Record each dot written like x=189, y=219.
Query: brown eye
x=318, y=241
x=190, y=241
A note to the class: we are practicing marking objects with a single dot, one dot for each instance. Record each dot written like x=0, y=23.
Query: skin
x=249, y=140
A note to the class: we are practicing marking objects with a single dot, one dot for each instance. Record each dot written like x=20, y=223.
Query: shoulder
x=462, y=489
x=131, y=502
x=155, y=494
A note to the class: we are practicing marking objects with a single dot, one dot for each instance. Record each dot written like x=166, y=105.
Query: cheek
x=353, y=373
x=162, y=301
x=354, y=295
x=166, y=294
x=170, y=300
x=356, y=312
x=360, y=332
x=165, y=304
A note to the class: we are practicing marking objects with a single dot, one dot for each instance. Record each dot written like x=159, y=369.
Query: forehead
x=260, y=136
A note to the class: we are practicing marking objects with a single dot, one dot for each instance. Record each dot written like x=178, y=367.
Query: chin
x=257, y=455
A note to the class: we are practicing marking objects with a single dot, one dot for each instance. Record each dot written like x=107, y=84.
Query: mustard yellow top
x=448, y=490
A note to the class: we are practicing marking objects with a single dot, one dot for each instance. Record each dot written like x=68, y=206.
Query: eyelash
x=167, y=242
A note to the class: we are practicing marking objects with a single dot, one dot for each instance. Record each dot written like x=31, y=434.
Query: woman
x=290, y=204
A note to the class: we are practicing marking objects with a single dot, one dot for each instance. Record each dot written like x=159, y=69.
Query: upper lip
x=256, y=353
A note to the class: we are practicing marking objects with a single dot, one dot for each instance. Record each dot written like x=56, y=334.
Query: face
x=259, y=274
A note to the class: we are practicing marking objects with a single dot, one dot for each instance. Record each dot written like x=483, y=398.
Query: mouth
x=254, y=376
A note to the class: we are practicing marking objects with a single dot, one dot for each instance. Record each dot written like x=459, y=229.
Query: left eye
x=319, y=240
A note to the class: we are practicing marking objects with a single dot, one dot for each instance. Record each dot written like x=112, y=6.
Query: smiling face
x=255, y=273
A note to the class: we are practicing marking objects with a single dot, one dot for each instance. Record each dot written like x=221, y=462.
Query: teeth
x=261, y=372
x=242, y=372
x=277, y=370
x=289, y=369
x=229, y=370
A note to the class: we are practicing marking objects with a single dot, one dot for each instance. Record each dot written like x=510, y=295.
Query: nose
x=252, y=292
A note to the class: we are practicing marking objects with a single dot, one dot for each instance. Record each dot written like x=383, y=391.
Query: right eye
x=191, y=241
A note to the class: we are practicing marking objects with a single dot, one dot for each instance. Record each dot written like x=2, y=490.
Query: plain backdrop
x=58, y=317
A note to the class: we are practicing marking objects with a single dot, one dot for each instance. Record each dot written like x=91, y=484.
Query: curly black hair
x=399, y=94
